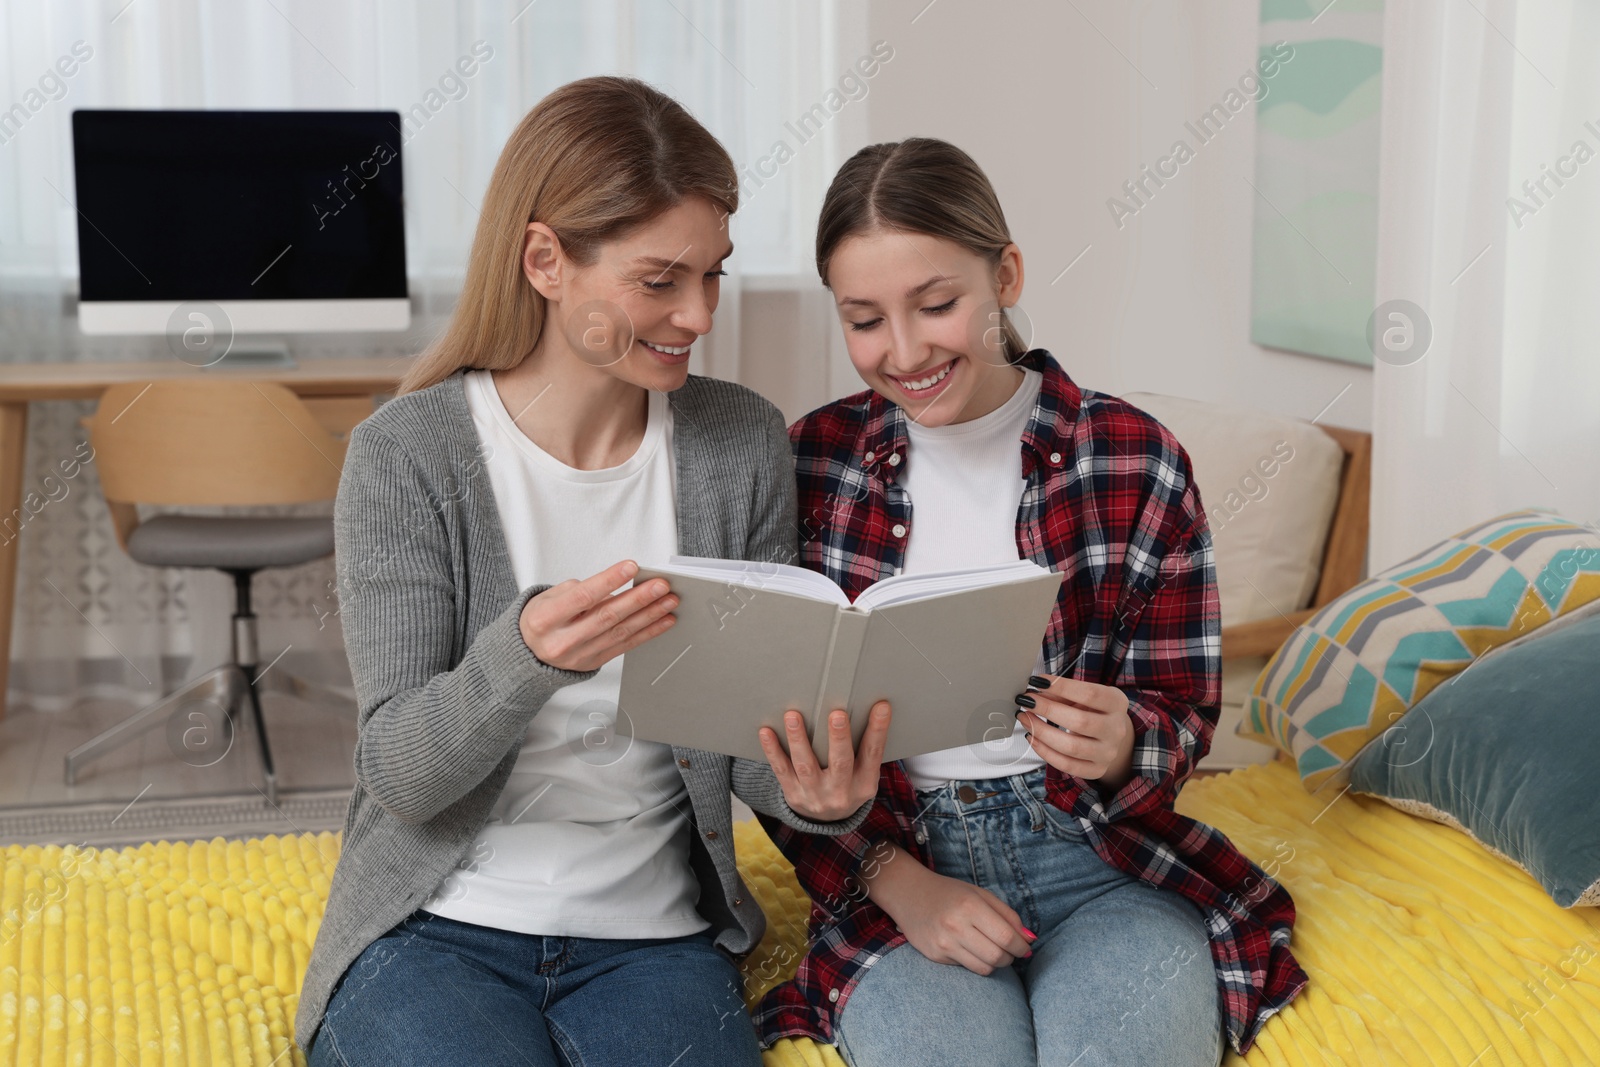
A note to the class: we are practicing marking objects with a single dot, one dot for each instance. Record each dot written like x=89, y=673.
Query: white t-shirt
x=590, y=837
x=965, y=484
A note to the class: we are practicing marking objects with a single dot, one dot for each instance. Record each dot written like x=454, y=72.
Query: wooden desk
x=339, y=392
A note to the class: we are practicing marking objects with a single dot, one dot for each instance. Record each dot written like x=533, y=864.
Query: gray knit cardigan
x=445, y=685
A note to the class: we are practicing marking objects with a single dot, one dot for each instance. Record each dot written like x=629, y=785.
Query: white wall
x=1059, y=120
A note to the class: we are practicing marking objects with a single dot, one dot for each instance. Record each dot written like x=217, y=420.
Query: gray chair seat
x=230, y=543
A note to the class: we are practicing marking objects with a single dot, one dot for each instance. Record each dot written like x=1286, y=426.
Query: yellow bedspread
x=1422, y=947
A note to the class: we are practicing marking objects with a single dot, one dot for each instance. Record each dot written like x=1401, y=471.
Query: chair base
x=240, y=678
x=226, y=686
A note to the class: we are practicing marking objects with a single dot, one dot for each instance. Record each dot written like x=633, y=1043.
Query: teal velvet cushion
x=1509, y=751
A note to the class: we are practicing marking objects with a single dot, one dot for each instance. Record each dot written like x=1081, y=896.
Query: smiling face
x=635, y=311
x=920, y=317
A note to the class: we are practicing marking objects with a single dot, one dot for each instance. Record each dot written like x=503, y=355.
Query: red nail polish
x=1030, y=933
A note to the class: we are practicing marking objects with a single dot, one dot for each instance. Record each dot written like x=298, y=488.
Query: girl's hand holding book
x=1079, y=728
x=850, y=779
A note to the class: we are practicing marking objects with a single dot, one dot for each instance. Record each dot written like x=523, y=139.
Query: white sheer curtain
x=88, y=621
x=1490, y=222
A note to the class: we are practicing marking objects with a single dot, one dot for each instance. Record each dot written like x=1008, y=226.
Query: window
x=461, y=76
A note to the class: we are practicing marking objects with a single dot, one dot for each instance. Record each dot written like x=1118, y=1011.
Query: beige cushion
x=1228, y=749
x=1269, y=485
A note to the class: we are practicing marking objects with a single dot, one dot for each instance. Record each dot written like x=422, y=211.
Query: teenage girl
x=1032, y=897
x=521, y=882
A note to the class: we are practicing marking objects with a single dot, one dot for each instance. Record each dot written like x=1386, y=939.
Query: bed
x=1423, y=947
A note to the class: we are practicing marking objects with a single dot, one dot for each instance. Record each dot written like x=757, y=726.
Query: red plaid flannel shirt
x=1109, y=502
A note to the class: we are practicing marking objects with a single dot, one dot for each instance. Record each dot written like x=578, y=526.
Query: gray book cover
x=948, y=651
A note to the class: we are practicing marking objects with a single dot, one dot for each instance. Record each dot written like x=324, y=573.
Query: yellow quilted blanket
x=1422, y=947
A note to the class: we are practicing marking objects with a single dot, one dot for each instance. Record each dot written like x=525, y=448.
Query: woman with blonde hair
x=522, y=882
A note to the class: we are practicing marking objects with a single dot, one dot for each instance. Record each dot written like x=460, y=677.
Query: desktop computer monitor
x=286, y=221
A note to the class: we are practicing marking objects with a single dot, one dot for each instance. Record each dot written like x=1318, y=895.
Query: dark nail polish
x=1038, y=682
x=1026, y=701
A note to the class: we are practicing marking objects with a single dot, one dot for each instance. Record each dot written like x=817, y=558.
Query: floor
x=144, y=790
x=312, y=747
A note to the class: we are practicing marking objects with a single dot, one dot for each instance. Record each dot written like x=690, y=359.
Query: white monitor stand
x=244, y=316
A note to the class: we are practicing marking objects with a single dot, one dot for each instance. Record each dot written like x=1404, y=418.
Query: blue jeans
x=1121, y=972
x=437, y=991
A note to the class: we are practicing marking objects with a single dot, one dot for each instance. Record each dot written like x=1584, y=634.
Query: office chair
x=213, y=442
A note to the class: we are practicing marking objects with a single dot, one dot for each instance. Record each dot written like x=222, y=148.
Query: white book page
x=903, y=588
x=775, y=577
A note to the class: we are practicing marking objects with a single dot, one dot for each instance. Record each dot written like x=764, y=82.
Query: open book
x=948, y=650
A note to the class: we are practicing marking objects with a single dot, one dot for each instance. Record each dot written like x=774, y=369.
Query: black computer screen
x=239, y=205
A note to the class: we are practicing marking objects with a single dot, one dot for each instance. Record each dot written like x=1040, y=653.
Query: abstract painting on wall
x=1316, y=178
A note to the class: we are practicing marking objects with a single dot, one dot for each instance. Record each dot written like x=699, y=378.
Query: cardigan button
x=898, y=529
x=711, y=833
x=738, y=901
x=833, y=996
x=683, y=763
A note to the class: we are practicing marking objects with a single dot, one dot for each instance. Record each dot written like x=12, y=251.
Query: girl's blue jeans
x=1121, y=972
x=437, y=991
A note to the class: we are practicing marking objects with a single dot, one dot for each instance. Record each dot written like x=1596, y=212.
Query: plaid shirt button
x=894, y=460
x=1055, y=457
x=867, y=459
x=898, y=530
x=833, y=996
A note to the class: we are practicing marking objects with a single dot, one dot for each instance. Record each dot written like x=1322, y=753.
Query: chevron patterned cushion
x=1365, y=659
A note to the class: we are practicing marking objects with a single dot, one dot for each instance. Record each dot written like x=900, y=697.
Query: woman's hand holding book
x=827, y=794
x=578, y=626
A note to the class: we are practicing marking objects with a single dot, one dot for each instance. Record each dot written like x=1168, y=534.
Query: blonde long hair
x=592, y=160
x=919, y=185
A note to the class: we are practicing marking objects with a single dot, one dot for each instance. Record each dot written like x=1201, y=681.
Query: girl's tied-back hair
x=593, y=160
x=919, y=185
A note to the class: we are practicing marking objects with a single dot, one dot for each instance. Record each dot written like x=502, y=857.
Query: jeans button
x=967, y=794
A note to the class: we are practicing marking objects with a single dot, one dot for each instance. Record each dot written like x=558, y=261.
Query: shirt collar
x=1046, y=438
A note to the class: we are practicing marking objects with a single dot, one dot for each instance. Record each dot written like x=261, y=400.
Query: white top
x=590, y=837
x=965, y=485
